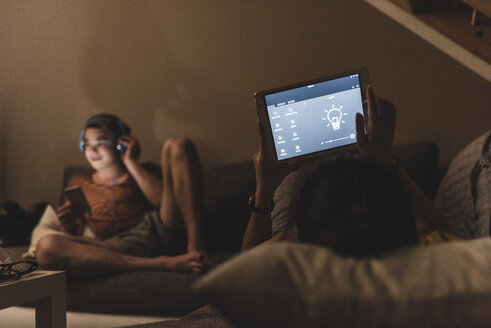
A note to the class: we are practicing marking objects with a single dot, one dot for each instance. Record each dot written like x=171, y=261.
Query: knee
x=48, y=253
x=178, y=147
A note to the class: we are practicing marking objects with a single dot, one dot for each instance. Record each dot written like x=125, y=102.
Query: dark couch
x=227, y=189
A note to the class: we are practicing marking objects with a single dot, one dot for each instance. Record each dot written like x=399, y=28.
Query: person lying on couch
x=359, y=205
x=140, y=221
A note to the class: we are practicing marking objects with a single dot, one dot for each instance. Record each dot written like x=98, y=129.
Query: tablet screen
x=314, y=117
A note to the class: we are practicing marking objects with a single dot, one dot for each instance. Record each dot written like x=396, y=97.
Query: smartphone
x=312, y=117
x=77, y=198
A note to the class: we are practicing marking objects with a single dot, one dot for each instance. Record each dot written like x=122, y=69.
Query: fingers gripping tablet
x=312, y=117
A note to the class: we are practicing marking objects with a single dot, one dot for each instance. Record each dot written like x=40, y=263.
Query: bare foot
x=190, y=262
x=204, y=258
x=207, y=261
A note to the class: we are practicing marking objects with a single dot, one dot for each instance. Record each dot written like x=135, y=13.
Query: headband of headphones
x=110, y=123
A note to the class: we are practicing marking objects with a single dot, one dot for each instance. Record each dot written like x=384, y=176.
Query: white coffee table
x=45, y=289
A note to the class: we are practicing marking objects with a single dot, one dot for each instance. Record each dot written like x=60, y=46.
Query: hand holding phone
x=71, y=220
x=77, y=198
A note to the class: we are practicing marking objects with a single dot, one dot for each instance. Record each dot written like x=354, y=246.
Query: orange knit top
x=113, y=210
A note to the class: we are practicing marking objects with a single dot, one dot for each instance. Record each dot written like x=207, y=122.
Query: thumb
x=361, y=137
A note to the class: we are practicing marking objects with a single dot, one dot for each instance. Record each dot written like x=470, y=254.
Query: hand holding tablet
x=269, y=174
x=380, y=122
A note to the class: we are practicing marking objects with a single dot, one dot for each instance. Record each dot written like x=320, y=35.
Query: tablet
x=312, y=117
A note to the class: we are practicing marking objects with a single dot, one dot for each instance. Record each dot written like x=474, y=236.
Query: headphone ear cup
x=81, y=141
x=121, y=148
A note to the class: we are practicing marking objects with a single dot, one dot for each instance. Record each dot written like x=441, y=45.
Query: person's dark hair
x=355, y=207
x=110, y=123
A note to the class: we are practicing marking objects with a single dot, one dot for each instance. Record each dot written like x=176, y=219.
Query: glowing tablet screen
x=314, y=117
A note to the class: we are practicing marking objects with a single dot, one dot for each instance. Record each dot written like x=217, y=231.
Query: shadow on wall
x=129, y=69
x=191, y=68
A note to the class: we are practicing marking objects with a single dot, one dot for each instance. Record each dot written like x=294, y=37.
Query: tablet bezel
x=262, y=113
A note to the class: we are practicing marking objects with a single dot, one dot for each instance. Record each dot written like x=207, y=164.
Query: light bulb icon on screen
x=335, y=117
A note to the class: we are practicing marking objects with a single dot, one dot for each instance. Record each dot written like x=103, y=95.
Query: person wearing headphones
x=140, y=218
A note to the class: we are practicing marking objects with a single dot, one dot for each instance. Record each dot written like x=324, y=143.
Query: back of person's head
x=356, y=207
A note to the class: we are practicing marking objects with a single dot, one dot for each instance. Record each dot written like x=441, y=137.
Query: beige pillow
x=300, y=285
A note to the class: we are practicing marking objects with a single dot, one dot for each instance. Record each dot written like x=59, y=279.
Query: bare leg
x=84, y=257
x=182, y=195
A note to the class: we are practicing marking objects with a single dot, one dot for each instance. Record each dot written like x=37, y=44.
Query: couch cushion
x=227, y=190
x=144, y=293
x=420, y=160
x=300, y=285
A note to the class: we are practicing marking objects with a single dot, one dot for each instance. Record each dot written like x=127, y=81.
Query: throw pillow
x=464, y=195
x=301, y=285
